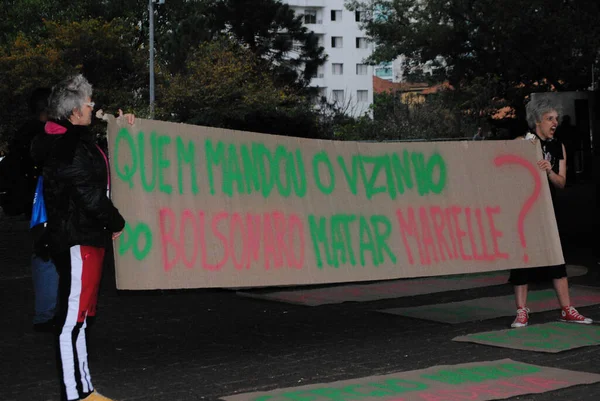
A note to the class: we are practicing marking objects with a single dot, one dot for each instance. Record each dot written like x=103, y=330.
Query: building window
x=323, y=94
x=338, y=96
x=336, y=15
x=337, y=68
x=362, y=43
x=320, y=96
x=320, y=40
x=384, y=72
x=310, y=16
x=358, y=16
x=362, y=95
x=337, y=41
x=362, y=69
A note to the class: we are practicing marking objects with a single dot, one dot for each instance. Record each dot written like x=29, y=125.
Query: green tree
x=273, y=32
x=180, y=27
x=28, y=16
x=106, y=54
x=517, y=45
x=24, y=67
x=268, y=28
x=101, y=50
x=42, y=41
x=398, y=116
x=223, y=85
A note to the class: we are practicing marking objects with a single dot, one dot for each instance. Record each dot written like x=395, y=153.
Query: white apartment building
x=344, y=78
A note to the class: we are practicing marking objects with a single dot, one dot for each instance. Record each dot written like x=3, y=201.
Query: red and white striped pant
x=80, y=270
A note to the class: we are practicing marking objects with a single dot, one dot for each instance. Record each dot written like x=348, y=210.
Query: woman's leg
x=80, y=270
x=45, y=289
x=561, y=286
x=521, y=295
x=519, y=278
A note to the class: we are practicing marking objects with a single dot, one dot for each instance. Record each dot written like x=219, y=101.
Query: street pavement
x=204, y=344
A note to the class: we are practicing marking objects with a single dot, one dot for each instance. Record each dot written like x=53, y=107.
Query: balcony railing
x=306, y=3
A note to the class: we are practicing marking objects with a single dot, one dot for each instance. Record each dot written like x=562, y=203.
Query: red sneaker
x=522, y=318
x=570, y=315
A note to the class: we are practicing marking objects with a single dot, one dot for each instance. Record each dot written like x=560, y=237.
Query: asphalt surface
x=205, y=344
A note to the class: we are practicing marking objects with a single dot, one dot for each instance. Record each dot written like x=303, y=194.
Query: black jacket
x=76, y=177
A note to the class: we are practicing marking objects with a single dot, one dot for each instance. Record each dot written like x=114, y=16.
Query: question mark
x=529, y=202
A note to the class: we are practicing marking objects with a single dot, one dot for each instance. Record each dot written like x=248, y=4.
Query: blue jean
x=45, y=289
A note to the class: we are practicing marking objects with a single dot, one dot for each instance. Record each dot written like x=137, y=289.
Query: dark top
x=75, y=187
x=553, y=152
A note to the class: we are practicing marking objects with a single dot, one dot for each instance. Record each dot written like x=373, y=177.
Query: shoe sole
x=518, y=326
x=575, y=321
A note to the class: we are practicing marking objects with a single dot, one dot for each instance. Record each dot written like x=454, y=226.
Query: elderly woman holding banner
x=543, y=119
x=81, y=222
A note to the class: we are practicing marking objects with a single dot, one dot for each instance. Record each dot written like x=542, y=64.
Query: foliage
x=268, y=28
x=397, y=117
x=27, y=17
x=228, y=63
x=25, y=66
x=223, y=85
x=180, y=27
x=523, y=46
x=102, y=51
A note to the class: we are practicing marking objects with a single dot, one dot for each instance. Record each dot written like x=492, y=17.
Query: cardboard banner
x=479, y=381
x=209, y=207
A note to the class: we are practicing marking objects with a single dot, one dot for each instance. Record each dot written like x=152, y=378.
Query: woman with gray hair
x=543, y=119
x=82, y=220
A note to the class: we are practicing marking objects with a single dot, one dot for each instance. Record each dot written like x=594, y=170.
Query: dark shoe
x=46, y=327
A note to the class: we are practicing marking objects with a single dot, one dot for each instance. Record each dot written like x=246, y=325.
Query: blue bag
x=39, y=223
x=38, y=212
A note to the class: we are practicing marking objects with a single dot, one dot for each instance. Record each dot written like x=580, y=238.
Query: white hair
x=68, y=95
x=536, y=109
